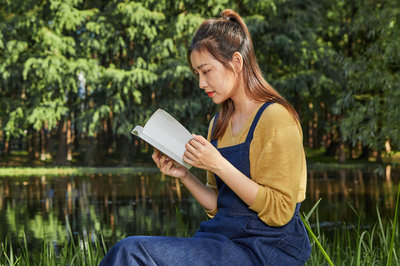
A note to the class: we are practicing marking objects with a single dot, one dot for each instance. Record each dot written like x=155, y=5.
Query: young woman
x=255, y=162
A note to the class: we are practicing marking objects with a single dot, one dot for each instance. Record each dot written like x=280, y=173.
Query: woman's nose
x=202, y=83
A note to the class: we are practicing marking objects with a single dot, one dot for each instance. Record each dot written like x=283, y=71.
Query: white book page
x=166, y=134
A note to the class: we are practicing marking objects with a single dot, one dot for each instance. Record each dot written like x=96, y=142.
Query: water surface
x=116, y=206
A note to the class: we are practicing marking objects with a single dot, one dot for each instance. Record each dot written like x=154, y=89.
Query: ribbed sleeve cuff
x=259, y=202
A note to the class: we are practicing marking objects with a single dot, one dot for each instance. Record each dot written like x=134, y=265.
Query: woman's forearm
x=244, y=187
x=204, y=195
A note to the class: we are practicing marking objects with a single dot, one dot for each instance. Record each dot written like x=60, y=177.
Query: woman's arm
x=204, y=195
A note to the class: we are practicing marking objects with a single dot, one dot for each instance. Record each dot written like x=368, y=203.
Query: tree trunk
x=50, y=142
x=100, y=146
x=104, y=141
x=310, y=134
x=365, y=150
x=110, y=135
x=328, y=135
x=91, y=152
x=36, y=144
x=332, y=149
x=379, y=156
x=124, y=149
x=42, y=145
x=77, y=137
x=31, y=145
x=342, y=153
x=388, y=147
x=69, y=140
x=6, y=150
x=61, y=157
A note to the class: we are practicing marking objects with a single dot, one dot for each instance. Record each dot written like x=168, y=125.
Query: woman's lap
x=156, y=250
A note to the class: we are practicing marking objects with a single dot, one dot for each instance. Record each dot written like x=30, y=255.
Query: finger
x=157, y=153
x=190, y=148
x=166, y=160
x=162, y=161
x=191, y=151
x=195, y=146
x=200, y=139
x=156, y=157
x=195, y=143
x=168, y=166
x=189, y=158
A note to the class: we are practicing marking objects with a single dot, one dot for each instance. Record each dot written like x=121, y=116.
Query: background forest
x=77, y=75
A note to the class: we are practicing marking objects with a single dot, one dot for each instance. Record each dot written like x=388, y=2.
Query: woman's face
x=217, y=81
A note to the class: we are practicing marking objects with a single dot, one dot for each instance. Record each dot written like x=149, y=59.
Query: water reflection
x=113, y=205
x=348, y=195
x=116, y=206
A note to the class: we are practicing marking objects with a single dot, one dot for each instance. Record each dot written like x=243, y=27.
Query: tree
x=370, y=103
x=81, y=74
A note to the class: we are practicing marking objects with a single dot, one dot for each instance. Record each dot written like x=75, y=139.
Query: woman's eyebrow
x=200, y=66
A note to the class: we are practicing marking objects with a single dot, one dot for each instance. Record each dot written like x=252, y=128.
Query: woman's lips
x=210, y=94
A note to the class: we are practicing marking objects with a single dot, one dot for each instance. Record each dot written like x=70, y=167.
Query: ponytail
x=222, y=37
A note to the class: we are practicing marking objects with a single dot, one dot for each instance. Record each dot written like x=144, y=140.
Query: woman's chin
x=217, y=100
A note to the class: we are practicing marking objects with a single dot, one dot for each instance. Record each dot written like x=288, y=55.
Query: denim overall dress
x=234, y=236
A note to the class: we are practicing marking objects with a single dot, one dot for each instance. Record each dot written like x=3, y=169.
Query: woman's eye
x=205, y=72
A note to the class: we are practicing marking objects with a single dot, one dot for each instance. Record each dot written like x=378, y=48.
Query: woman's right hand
x=168, y=166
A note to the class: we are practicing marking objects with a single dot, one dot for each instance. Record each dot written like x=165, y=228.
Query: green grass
x=19, y=163
x=379, y=245
x=30, y=171
x=353, y=246
x=317, y=160
x=79, y=251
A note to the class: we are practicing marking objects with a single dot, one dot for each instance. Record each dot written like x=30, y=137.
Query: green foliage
x=370, y=103
x=114, y=63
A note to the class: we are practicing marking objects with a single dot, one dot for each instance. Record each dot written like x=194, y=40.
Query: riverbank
x=18, y=164
x=28, y=171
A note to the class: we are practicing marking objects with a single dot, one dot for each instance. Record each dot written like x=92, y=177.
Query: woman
x=255, y=162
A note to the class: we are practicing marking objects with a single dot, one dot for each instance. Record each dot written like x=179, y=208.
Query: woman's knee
x=128, y=251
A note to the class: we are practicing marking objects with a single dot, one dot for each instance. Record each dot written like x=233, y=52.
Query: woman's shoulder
x=277, y=116
x=276, y=120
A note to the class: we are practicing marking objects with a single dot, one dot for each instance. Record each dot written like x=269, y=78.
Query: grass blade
x=307, y=217
x=316, y=240
x=389, y=262
x=359, y=248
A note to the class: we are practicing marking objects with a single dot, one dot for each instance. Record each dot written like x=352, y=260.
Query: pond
x=148, y=203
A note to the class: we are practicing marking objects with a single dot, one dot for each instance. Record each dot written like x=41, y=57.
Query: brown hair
x=222, y=37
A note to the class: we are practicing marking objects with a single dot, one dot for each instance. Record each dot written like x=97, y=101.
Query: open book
x=165, y=133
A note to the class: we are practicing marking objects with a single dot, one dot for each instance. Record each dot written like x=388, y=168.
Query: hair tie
x=231, y=19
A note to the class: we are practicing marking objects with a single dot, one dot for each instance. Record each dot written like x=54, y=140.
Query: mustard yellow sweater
x=277, y=164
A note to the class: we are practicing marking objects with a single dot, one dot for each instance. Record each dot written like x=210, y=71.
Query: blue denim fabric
x=235, y=236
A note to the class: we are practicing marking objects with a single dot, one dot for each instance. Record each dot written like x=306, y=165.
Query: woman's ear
x=237, y=62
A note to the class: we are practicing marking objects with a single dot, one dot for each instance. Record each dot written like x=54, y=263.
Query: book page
x=158, y=145
x=166, y=134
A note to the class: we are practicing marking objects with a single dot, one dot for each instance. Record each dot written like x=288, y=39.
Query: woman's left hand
x=202, y=154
